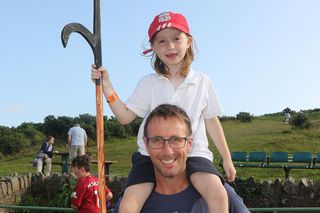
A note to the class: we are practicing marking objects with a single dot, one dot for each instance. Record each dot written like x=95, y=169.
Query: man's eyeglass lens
x=174, y=142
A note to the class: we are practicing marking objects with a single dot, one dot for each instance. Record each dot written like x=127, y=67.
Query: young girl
x=174, y=82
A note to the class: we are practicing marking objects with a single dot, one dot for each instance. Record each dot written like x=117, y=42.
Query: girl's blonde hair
x=163, y=70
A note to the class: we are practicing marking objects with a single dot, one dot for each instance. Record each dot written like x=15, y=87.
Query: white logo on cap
x=164, y=17
x=164, y=25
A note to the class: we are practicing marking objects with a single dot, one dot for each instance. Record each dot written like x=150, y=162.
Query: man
x=77, y=141
x=287, y=115
x=168, y=140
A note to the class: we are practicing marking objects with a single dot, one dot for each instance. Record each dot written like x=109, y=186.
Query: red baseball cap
x=167, y=20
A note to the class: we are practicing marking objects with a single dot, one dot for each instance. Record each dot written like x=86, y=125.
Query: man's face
x=168, y=162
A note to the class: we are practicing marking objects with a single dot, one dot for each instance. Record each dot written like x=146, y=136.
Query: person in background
x=287, y=115
x=85, y=196
x=175, y=82
x=77, y=141
x=44, y=156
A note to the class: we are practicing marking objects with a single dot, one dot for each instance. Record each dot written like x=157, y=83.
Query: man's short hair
x=166, y=111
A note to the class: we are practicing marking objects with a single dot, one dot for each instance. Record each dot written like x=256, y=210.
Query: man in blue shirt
x=168, y=141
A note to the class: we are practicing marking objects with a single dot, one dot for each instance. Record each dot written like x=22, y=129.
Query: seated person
x=44, y=156
x=168, y=141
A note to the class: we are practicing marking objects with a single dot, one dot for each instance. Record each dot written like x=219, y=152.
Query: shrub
x=248, y=189
x=226, y=118
x=244, y=117
x=301, y=121
x=62, y=198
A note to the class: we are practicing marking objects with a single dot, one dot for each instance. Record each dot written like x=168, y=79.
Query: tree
x=244, y=117
x=114, y=129
x=31, y=133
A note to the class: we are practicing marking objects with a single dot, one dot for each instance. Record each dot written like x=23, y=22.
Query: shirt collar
x=190, y=78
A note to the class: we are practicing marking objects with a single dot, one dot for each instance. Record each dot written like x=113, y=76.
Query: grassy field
x=264, y=133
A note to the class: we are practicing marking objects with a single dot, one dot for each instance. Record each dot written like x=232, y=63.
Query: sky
x=262, y=55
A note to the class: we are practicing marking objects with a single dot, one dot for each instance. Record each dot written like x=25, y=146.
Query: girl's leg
x=212, y=191
x=134, y=197
x=208, y=182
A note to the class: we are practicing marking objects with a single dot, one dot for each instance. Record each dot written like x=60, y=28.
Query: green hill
x=264, y=133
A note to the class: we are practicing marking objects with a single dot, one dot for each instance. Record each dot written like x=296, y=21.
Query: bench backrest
x=302, y=157
x=239, y=156
x=257, y=156
x=318, y=157
x=279, y=157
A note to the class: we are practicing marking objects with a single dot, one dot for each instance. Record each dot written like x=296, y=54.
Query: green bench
x=260, y=159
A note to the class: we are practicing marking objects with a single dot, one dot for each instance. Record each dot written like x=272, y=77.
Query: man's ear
x=189, y=144
x=146, y=144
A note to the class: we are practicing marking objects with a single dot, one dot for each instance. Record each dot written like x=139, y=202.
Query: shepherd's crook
x=94, y=41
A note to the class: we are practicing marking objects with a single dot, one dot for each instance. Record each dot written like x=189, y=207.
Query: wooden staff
x=94, y=41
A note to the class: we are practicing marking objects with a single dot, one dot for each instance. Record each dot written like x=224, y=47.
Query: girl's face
x=51, y=141
x=171, y=45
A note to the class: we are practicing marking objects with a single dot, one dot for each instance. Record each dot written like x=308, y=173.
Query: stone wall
x=266, y=194
x=12, y=187
x=279, y=193
x=291, y=193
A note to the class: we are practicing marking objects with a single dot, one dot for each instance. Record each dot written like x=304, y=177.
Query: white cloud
x=14, y=108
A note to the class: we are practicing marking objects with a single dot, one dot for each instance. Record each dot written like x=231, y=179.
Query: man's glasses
x=174, y=142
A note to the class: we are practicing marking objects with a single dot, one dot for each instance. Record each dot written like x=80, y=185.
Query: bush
x=226, y=118
x=244, y=117
x=63, y=196
x=248, y=189
x=301, y=121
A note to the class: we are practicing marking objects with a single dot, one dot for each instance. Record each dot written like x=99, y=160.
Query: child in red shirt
x=85, y=196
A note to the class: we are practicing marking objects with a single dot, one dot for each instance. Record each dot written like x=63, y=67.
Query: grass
x=264, y=133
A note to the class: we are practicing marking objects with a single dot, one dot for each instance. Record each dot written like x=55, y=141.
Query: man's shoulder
x=76, y=129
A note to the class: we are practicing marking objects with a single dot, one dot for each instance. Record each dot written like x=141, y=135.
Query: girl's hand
x=106, y=83
x=96, y=73
x=229, y=170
